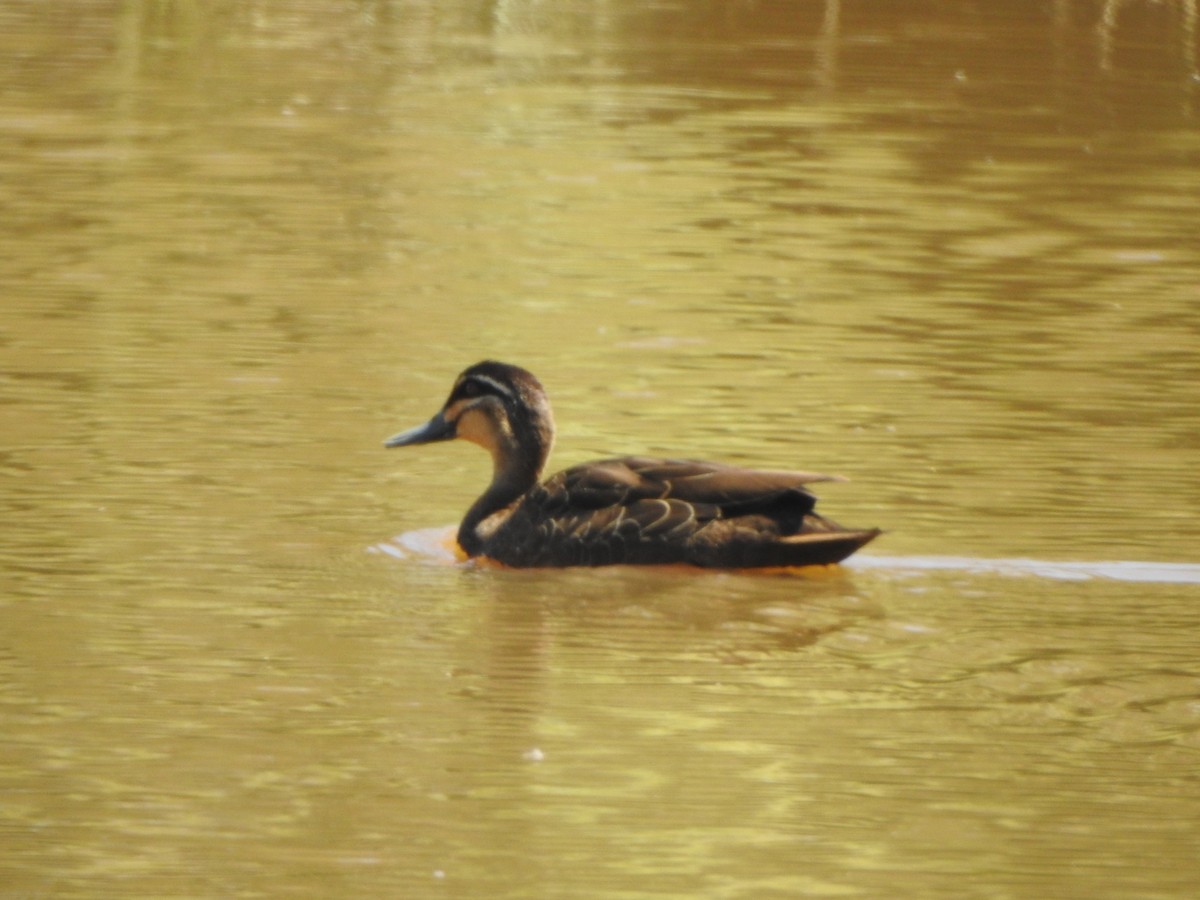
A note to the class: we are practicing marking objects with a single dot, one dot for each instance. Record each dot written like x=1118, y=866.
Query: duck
x=637, y=510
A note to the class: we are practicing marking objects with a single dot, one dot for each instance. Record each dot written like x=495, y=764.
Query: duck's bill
x=436, y=429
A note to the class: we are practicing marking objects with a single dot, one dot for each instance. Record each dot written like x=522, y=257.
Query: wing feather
x=734, y=491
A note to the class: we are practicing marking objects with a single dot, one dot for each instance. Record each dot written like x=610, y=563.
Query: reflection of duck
x=632, y=509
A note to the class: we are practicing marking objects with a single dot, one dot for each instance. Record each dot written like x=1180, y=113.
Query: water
x=946, y=250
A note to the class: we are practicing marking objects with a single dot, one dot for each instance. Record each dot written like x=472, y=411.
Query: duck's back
x=656, y=511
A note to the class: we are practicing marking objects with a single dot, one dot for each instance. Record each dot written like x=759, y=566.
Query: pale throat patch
x=474, y=424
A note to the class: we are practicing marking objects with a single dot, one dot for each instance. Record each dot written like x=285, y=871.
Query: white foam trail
x=427, y=543
x=1114, y=570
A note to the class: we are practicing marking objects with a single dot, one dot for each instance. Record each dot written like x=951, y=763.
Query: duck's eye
x=470, y=389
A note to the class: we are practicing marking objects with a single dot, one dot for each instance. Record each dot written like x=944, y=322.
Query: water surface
x=948, y=250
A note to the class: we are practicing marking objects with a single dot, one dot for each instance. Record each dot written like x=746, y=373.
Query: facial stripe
x=492, y=383
x=455, y=410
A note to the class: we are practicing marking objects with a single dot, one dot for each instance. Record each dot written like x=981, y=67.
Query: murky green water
x=949, y=250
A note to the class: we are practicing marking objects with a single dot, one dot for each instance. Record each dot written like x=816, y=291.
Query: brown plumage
x=631, y=509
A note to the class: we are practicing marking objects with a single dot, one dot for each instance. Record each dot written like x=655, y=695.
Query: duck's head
x=500, y=407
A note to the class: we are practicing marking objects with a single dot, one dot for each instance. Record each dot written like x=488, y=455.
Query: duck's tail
x=818, y=542
x=823, y=545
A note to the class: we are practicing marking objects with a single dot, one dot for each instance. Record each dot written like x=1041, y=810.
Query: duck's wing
x=734, y=490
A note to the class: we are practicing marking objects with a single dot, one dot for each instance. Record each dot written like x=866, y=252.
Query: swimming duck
x=631, y=509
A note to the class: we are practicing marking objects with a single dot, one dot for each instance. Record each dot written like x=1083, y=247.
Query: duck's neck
x=514, y=475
